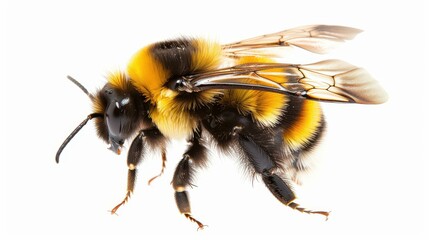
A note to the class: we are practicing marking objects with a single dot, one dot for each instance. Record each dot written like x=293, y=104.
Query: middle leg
x=195, y=157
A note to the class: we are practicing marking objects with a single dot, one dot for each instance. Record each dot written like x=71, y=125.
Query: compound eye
x=114, y=120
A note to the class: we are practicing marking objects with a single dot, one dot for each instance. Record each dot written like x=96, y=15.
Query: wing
x=330, y=80
x=314, y=38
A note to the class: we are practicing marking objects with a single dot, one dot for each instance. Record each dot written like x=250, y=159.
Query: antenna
x=72, y=134
x=81, y=87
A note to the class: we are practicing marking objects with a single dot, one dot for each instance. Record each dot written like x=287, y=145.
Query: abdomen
x=303, y=124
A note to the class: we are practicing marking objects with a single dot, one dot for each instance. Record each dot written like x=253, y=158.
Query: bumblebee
x=235, y=96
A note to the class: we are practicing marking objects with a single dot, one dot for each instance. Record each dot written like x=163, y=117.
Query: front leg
x=151, y=138
x=193, y=158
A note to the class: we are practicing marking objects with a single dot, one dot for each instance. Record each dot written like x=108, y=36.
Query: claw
x=113, y=211
x=304, y=210
x=192, y=219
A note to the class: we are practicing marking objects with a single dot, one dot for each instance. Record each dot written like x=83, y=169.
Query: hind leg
x=261, y=149
x=263, y=165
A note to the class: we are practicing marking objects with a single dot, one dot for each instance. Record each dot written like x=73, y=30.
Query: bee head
x=119, y=112
x=122, y=110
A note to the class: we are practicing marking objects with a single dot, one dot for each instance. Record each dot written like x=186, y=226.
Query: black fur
x=195, y=157
x=257, y=157
x=174, y=55
x=136, y=149
x=183, y=174
x=293, y=111
x=226, y=125
x=155, y=139
x=197, y=151
x=312, y=142
x=261, y=149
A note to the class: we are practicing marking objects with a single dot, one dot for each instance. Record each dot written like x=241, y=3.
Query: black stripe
x=312, y=142
x=293, y=111
x=175, y=55
x=293, y=114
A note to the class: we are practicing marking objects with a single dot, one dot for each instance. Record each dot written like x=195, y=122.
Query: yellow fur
x=97, y=106
x=207, y=56
x=265, y=107
x=306, y=125
x=174, y=123
x=147, y=75
x=172, y=115
x=118, y=80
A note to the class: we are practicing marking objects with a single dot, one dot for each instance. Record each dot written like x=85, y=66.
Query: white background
x=372, y=164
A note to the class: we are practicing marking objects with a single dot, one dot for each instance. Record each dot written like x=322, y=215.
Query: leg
x=145, y=137
x=156, y=140
x=193, y=158
x=134, y=157
x=164, y=160
x=261, y=150
x=263, y=164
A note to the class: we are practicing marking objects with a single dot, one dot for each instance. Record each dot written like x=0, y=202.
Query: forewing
x=314, y=38
x=329, y=80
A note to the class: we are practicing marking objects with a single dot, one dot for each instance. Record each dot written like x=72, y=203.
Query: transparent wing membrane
x=314, y=38
x=329, y=80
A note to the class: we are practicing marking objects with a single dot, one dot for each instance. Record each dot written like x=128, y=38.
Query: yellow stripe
x=305, y=126
x=207, y=55
x=147, y=74
x=265, y=107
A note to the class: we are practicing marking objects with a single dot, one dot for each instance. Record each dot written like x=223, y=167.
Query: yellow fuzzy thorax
x=265, y=107
x=172, y=115
x=146, y=74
